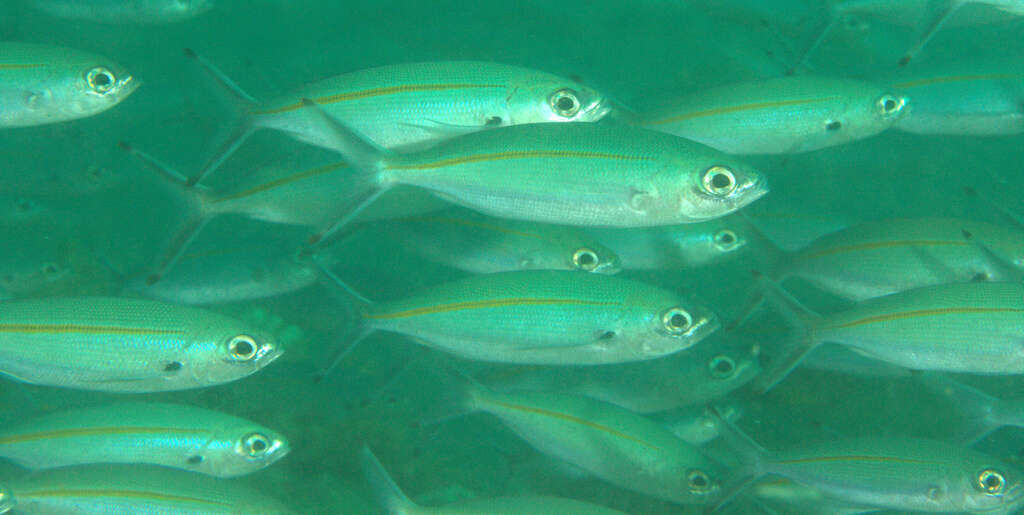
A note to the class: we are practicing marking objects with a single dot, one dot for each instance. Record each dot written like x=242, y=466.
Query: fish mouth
x=707, y=324
x=128, y=86
x=597, y=110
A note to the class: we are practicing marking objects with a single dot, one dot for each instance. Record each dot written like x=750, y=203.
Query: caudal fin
x=193, y=200
x=833, y=18
x=801, y=342
x=750, y=454
x=240, y=129
x=355, y=303
x=388, y=493
x=938, y=12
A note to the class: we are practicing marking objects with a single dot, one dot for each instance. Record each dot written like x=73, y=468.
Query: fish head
x=991, y=487
x=236, y=355
x=240, y=449
x=860, y=112
x=97, y=86
x=593, y=257
x=543, y=98
x=708, y=242
x=671, y=325
x=698, y=192
x=729, y=367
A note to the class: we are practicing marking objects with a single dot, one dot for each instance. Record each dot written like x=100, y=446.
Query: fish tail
x=975, y=406
x=388, y=493
x=771, y=259
x=803, y=341
x=355, y=303
x=463, y=395
x=938, y=13
x=750, y=453
x=240, y=130
x=833, y=18
x=365, y=158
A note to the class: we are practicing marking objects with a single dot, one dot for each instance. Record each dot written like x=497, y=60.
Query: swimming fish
x=41, y=84
x=119, y=11
x=542, y=317
x=173, y=435
x=580, y=174
x=965, y=100
x=395, y=502
x=674, y=246
x=136, y=489
x=958, y=327
x=125, y=345
x=413, y=104
x=478, y=244
x=783, y=115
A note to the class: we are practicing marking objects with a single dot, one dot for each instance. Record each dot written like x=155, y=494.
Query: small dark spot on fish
x=493, y=121
x=904, y=60
x=834, y=125
x=980, y=277
x=173, y=366
x=194, y=460
x=606, y=335
x=967, y=234
x=392, y=400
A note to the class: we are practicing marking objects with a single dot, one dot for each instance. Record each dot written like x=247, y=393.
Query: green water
x=81, y=215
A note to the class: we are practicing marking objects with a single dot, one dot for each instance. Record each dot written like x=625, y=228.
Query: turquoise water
x=81, y=217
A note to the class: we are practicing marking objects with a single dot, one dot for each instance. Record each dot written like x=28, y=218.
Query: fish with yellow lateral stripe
x=780, y=116
x=542, y=317
x=172, y=435
x=41, y=84
x=973, y=328
x=412, y=105
x=579, y=174
x=126, y=345
x=603, y=439
x=137, y=489
x=878, y=473
x=480, y=244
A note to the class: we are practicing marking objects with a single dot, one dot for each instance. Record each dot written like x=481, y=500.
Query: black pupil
x=723, y=366
x=172, y=366
x=243, y=348
x=102, y=79
x=726, y=238
x=699, y=480
x=720, y=180
x=833, y=126
x=678, y=320
x=565, y=104
x=992, y=481
x=259, y=445
x=889, y=105
x=587, y=258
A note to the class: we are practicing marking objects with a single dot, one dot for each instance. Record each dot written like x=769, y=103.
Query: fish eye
x=585, y=259
x=565, y=103
x=722, y=367
x=698, y=481
x=242, y=348
x=255, y=445
x=719, y=181
x=725, y=239
x=100, y=79
x=833, y=125
x=991, y=482
x=676, y=320
x=890, y=104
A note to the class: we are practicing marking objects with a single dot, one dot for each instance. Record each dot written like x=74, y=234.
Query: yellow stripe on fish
x=738, y=108
x=478, y=304
x=956, y=78
x=320, y=170
x=578, y=420
x=924, y=313
x=95, y=431
x=19, y=66
x=525, y=154
x=132, y=494
x=376, y=92
x=85, y=329
x=883, y=245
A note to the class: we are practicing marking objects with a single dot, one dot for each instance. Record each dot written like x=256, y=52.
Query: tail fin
x=833, y=19
x=976, y=406
x=356, y=304
x=938, y=13
x=241, y=129
x=389, y=495
x=196, y=205
x=750, y=454
x=364, y=156
x=773, y=259
x=803, y=322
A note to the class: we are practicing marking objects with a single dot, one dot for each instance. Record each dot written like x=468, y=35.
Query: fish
x=477, y=244
x=411, y=105
x=958, y=327
x=119, y=11
x=540, y=317
x=695, y=425
x=963, y=100
x=43, y=84
x=395, y=502
x=881, y=257
x=675, y=246
x=578, y=174
x=137, y=489
x=608, y=441
x=885, y=472
x=172, y=435
x=125, y=345
x=784, y=115
x=692, y=377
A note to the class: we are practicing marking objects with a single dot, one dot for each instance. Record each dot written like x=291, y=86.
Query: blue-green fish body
x=125, y=345
x=41, y=84
x=171, y=435
x=546, y=317
x=119, y=11
x=963, y=101
x=780, y=116
x=674, y=246
x=136, y=489
x=477, y=244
